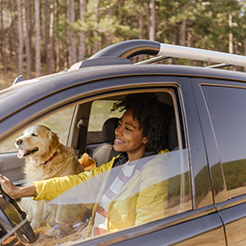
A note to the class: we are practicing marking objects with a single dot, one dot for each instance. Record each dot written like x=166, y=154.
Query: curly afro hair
x=153, y=117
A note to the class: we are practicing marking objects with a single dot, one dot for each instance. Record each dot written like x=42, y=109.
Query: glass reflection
x=228, y=115
x=158, y=187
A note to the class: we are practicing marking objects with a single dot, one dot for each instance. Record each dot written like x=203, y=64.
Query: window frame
x=213, y=156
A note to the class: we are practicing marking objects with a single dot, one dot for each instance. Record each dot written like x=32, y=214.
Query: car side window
x=58, y=122
x=100, y=112
x=228, y=115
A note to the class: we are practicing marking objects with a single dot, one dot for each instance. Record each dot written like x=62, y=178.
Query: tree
x=38, y=36
x=61, y=32
x=72, y=47
x=26, y=21
x=82, y=44
x=20, y=32
x=152, y=20
x=3, y=37
x=49, y=34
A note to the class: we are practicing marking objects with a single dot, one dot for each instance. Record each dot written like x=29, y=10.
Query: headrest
x=108, y=129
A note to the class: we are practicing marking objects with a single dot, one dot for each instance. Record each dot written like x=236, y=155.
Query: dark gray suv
x=206, y=176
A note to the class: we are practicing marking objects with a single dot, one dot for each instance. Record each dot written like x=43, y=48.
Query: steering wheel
x=11, y=215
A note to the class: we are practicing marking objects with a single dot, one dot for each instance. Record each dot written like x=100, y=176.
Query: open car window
x=59, y=122
x=159, y=188
x=100, y=112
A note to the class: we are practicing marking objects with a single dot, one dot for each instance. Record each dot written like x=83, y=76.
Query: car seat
x=172, y=141
x=105, y=151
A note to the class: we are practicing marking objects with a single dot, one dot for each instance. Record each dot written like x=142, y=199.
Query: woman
x=141, y=132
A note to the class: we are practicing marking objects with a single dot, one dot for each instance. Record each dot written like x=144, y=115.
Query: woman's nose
x=117, y=130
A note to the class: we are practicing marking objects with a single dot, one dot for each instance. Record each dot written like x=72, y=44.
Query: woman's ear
x=145, y=140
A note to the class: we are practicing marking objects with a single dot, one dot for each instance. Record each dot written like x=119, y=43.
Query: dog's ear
x=53, y=140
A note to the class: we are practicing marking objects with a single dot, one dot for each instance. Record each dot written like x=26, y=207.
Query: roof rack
x=130, y=48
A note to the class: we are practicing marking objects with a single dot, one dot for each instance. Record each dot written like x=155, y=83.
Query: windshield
x=147, y=190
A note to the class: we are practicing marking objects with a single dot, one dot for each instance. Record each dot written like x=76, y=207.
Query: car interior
x=92, y=126
x=98, y=141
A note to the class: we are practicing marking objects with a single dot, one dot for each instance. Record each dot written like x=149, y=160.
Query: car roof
x=114, y=62
x=27, y=92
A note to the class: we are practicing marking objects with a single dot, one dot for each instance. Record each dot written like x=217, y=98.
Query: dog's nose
x=18, y=141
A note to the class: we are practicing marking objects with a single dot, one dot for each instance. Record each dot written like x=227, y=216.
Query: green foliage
x=235, y=174
x=205, y=25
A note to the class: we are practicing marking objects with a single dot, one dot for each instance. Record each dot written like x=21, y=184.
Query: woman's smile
x=118, y=141
x=129, y=138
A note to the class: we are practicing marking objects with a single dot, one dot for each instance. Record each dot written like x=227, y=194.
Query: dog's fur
x=45, y=158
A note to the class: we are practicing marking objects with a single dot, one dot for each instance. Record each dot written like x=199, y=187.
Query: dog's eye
x=34, y=135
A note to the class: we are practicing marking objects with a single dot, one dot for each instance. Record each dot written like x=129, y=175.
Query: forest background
x=39, y=37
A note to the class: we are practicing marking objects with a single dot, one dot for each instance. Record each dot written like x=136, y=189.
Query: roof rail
x=130, y=48
x=18, y=79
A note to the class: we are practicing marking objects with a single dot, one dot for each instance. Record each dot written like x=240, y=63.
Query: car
x=206, y=162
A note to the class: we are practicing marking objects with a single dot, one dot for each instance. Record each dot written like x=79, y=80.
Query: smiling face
x=128, y=137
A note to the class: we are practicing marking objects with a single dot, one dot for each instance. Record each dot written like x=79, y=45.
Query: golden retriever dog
x=45, y=157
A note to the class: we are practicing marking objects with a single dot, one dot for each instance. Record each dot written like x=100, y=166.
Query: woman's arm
x=50, y=188
x=15, y=191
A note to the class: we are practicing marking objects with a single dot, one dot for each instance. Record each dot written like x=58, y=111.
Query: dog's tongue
x=21, y=153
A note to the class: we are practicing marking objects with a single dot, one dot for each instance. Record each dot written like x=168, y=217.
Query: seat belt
x=81, y=145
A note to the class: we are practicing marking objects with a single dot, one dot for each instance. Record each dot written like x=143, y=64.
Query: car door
x=223, y=116
x=196, y=220
x=192, y=217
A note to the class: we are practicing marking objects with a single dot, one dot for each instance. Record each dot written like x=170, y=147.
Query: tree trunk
x=152, y=20
x=82, y=39
x=13, y=34
x=141, y=25
x=190, y=42
x=230, y=35
x=51, y=35
x=230, y=38
x=45, y=15
x=56, y=48
x=20, y=48
x=72, y=47
x=26, y=20
x=182, y=35
x=147, y=17
x=182, y=30
x=245, y=52
x=2, y=45
x=37, y=46
x=96, y=27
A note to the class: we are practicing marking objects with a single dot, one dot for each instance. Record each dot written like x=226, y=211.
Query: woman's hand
x=16, y=192
x=8, y=187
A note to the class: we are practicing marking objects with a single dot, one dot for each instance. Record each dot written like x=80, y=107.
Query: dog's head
x=36, y=141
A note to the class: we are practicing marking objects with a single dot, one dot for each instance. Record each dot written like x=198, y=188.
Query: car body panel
x=201, y=227
x=211, y=217
x=189, y=116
